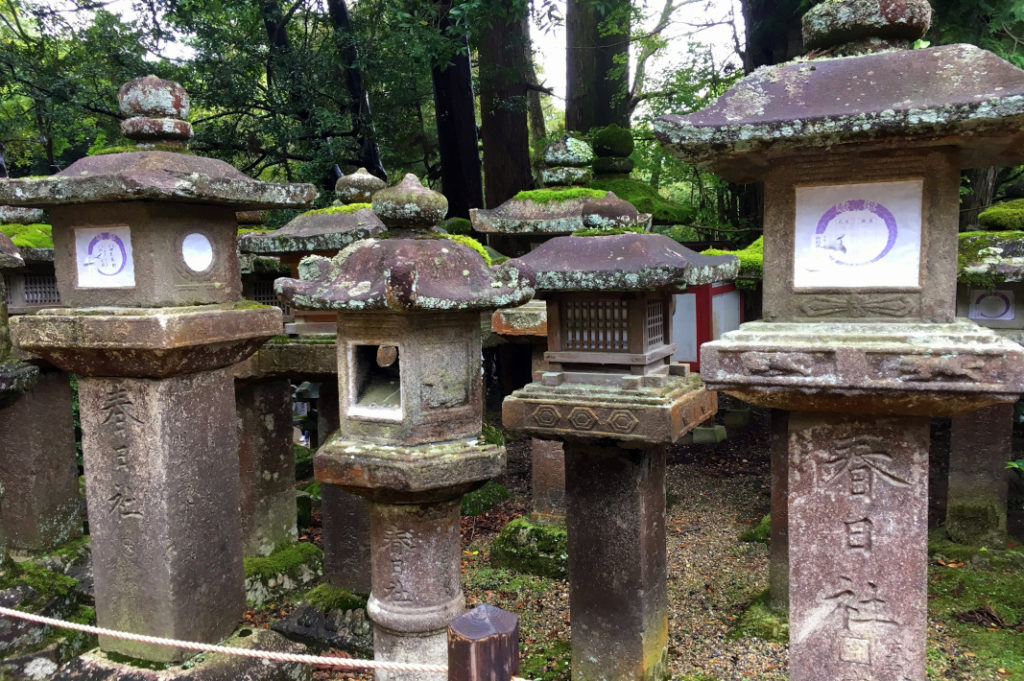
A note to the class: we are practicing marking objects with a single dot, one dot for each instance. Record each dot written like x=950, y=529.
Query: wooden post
x=483, y=645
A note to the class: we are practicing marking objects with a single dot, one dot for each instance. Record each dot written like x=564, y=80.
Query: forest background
x=303, y=90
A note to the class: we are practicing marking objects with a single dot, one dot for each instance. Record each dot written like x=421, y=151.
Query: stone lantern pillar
x=614, y=398
x=410, y=405
x=145, y=261
x=861, y=159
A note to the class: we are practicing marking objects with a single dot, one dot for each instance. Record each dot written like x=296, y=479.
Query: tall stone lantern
x=410, y=403
x=145, y=261
x=614, y=398
x=861, y=154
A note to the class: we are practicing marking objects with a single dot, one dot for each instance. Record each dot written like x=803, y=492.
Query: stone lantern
x=615, y=399
x=410, y=403
x=145, y=261
x=861, y=158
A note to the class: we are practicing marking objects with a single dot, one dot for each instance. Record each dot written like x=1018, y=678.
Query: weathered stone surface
x=858, y=522
x=558, y=216
x=778, y=565
x=10, y=257
x=13, y=215
x=40, y=506
x=617, y=596
x=980, y=444
x=315, y=232
x=785, y=110
x=587, y=412
x=153, y=97
x=292, y=357
x=358, y=187
x=410, y=205
x=153, y=342
x=164, y=130
x=623, y=262
x=405, y=275
x=609, y=212
x=568, y=151
x=565, y=176
x=416, y=589
x=832, y=23
x=348, y=630
x=905, y=368
x=529, y=320
x=95, y=666
x=15, y=379
x=266, y=461
x=346, y=535
x=547, y=481
x=162, y=485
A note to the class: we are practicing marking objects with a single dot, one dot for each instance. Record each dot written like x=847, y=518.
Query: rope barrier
x=320, y=660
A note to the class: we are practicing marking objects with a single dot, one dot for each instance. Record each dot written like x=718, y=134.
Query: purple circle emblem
x=992, y=296
x=108, y=253
x=835, y=246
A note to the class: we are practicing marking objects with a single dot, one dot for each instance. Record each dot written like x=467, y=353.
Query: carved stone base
x=585, y=412
x=912, y=368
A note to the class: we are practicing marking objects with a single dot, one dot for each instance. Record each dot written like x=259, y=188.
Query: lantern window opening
x=596, y=325
x=654, y=329
x=8, y=289
x=375, y=382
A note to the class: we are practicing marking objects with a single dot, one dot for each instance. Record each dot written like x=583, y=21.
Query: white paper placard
x=104, y=257
x=858, y=235
x=989, y=306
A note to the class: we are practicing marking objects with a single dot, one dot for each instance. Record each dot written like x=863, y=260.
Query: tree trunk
x=983, y=190
x=503, y=104
x=773, y=31
x=359, y=103
x=597, y=64
x=456, y=127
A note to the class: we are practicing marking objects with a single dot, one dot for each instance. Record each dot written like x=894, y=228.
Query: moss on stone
x=971, y=266
x=1008, y=215
x=606, y=232
x=29, y=236
x=536, y=549
x=288, y=560
x=254, y=230
x=612, y=140
x=646, y=199
x=458, y=226
x=471, y=243
x=751, y=259
x=564, y=194
x=250, y=305
x=329, y=598
x=981, y=523
x=484, y=499
x=551, y=662
x=303, y=461
x=339, y=210
x=125, y=148
x=760, y=621
x=761, y=532
x=266, y=265
x=45, y=584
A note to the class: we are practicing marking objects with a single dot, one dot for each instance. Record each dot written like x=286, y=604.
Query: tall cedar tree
x=597, y=63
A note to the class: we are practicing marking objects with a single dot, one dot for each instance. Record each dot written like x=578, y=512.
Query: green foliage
x=996, y=25
x=646, y=199
x=760, y=621
x=761, y=532
x=347, y=209
x=536, y=549
x=484, y=499
x=29, y=236
x=1008, y=215
x=313, y=490
x=492, y=435
x=329, y=598
x=566, y=194
x=471, y=243
x=751, y=259
x=287, y=560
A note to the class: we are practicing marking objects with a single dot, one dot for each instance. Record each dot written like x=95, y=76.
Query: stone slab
x=346, y=535
x=162, y=485
x=901, y=367
x=547, y=481
x=293, y=358
x=980, y=444
x=858, y=554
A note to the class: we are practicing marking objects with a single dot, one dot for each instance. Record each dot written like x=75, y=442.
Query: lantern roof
x=623, y=262
x=10, y=257
x=326, y=229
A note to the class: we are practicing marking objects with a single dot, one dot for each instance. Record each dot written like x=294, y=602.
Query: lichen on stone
x=987, y=259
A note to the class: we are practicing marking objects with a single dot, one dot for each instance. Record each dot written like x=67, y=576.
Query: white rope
x=344, y=663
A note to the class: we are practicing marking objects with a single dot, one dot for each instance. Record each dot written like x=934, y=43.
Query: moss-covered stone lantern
x=15, y=377
x=410, y=405
x=146, y=263
x=861, y=158
x=615, y=399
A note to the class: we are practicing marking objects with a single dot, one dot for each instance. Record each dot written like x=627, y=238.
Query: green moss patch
x=329, y=598
x=761, y=532
x=484, y=499
x=552, y=662
x=458, y=226
x=340, y=210
x=646, y=199
x=606, y=232
x=751, y=259
x=972, y=253
x=288, y=560
x=536, y=549
x=29, y=236
x=254, y=230
x=470, y=242
x=760, y=621
x=612, y=140
x=126, y=148
x=46, y=584
x=566, y=194
x=303, y=462
x=978, y=596
x=1003, y=216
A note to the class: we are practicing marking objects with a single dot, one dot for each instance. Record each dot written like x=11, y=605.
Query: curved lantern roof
x=623, y=262
x=954, y=95
x=10, y=257
x=155, y=108
x=319, y=230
